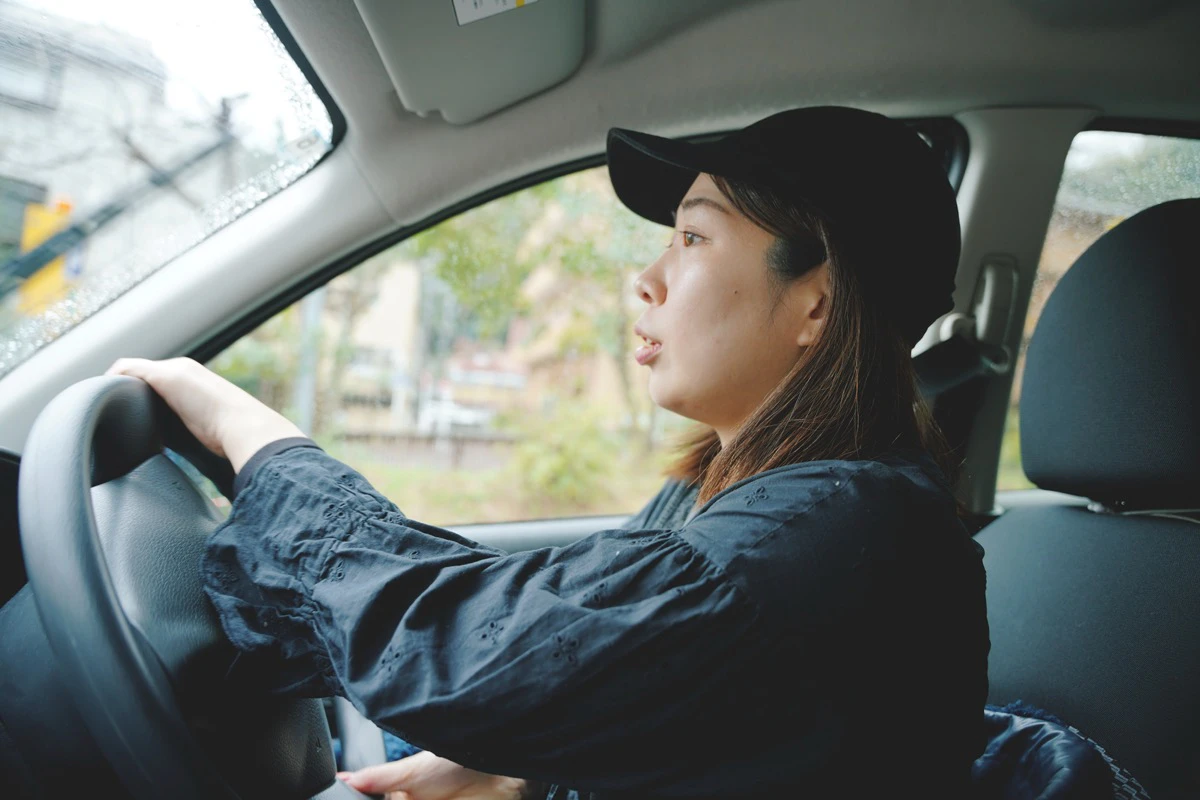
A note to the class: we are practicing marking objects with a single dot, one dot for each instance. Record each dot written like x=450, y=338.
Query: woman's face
x=719, y=335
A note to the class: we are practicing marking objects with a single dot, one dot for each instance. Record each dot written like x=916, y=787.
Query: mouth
x=648, y=351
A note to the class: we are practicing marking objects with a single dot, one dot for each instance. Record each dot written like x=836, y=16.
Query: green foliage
x=461, y=496
x=264, y=362
x=573, y=224
x=478, y=256
x=565, y=459
x=580, y=337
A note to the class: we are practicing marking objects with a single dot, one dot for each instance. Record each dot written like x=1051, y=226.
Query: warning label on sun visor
x=475, y=10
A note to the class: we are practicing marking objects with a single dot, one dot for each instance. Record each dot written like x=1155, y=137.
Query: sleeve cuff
x=262, y=454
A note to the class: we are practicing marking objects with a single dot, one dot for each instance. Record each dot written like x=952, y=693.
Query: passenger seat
x=1095, y=612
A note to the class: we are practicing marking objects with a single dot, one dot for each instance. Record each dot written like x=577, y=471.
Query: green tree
x=564, y=460
x=478, y=256
x=573, y=226
x=264, y=362
x=349, y=297
x=599, y=246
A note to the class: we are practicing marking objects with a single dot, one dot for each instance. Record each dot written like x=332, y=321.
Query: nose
x=649, y=285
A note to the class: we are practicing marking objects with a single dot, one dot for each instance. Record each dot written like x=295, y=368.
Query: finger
x=150, y=371
x=128, y=366
x=380, y=778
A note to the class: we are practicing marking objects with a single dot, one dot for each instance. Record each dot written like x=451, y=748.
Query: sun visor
x=464, y=59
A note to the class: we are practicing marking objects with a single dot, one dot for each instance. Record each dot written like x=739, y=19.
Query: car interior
x=1051, y=117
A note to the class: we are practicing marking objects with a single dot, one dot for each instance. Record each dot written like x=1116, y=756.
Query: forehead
x=703, y=195
x=703, y=186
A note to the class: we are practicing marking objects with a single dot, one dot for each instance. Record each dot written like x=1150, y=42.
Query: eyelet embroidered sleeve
x=570, y=665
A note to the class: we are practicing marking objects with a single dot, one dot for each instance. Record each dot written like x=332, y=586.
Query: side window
x=483, y=370
x=1107, y=177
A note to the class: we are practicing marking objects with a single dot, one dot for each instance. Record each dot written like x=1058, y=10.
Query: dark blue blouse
x=816, y=630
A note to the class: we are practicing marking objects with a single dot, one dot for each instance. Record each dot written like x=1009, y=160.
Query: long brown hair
x=851, y=395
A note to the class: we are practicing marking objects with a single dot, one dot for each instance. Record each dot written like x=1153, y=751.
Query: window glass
x=1108, y=176
x=483, y=370
x=130, y=131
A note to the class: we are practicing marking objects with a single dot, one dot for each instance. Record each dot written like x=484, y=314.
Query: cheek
x=720, y=354
x=709, y=307
x=708, y=357
x=725, y=367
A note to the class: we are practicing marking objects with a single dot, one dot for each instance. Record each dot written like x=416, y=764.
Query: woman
x=799, y=612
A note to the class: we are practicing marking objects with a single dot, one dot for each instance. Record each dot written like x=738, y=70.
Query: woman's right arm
x=571, y=665
x=576, y=662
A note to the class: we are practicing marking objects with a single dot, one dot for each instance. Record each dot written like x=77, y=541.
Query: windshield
x=130, y=131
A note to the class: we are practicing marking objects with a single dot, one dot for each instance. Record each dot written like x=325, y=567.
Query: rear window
x=128, y=133
x=1108, y=176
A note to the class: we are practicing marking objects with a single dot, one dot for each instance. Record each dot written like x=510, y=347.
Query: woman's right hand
x=425, y=776
x=226, y=419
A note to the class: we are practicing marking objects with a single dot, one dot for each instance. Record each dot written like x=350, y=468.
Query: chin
x=661, y=395
x=668, y=399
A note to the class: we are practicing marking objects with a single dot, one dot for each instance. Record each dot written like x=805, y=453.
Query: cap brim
x=651, y=174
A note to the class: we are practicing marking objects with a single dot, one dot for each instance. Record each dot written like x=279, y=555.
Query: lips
x=649, y=350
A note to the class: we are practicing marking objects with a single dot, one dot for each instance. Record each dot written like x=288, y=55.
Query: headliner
x=676, y=67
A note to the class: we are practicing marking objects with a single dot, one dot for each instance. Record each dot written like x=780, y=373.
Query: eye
x=688, y=237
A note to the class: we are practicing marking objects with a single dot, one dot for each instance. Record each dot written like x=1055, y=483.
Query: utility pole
x=304, y=392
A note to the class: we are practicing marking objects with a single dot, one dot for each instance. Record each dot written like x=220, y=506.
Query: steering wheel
x=113, y=532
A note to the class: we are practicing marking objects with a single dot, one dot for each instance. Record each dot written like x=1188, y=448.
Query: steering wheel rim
x=96, y=431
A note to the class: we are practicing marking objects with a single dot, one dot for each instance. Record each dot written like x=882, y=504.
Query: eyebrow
x=692, y=202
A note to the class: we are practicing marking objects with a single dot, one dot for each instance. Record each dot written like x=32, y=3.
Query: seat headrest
x=1110, y=402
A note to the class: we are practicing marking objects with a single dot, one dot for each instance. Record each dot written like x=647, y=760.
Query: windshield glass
x=130, y=131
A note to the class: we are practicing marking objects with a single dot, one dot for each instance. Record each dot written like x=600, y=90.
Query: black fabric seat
x=1095, y=612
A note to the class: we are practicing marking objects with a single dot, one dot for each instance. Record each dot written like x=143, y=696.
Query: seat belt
x=960, y=347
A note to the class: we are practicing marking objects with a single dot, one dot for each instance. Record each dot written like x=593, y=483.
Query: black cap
x=885, y=194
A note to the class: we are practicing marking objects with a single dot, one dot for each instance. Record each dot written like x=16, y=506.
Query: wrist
x=241, y=441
